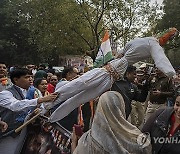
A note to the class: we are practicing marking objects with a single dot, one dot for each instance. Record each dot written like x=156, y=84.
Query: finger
x=73, y=129
x=55, y=97
x=56, y=93
x=5, y=126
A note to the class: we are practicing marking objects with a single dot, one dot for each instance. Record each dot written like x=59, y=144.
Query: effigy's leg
x=83, y=97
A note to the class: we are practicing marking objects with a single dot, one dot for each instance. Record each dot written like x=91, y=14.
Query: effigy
x=95, y=82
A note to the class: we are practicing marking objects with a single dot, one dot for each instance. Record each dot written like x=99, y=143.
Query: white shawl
x=111, y=132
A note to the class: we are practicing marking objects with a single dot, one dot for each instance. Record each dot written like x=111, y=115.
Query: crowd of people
x=114, y=109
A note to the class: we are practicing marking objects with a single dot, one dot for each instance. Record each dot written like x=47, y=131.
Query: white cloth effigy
x=93, y=83
x=85, y=88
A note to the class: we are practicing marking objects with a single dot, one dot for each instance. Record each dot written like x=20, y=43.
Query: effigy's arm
x=161, y=61
x=143, y=48
x=89, y=80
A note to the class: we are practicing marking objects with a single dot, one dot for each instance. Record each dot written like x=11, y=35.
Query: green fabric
x=101, y=61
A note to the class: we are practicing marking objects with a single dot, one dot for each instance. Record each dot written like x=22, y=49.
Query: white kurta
x=93, y=83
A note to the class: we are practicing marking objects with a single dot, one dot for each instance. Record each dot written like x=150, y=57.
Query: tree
x=122, y=18
x=171, y=19
x=54, y=28
x=42, y=29
x=14, y=46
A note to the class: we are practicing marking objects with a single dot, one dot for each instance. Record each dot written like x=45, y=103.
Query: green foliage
x=52, y=26
x=41, y=30
x=130, y=18
x=124, y=19
x=171, y=18
x=14, y=47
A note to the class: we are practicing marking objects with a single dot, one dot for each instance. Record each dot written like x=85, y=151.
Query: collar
x=164, y=118
x=173, y=118
x=24, y=91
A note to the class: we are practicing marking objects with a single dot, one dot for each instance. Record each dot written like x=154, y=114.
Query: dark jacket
x=165, y=86
x=68, y=121
x=158, y=125
x=130, y=92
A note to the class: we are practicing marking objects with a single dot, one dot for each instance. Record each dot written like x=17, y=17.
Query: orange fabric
x=80, y=117
x=92, y=109
x=106, y=36
x=4, y=81
x=163, y=39
x=80, y=114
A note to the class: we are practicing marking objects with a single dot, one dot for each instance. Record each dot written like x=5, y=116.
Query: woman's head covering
x=40, y=74
x=111, y=129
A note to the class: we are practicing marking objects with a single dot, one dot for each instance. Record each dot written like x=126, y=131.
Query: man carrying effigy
x=15, y=109
x=95, y=82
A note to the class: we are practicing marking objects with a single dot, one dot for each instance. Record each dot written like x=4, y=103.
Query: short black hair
x=42, y=65
x=37, y=82
x=130, y=69
x=2, y=62
x=18, y=72
x=66, y=71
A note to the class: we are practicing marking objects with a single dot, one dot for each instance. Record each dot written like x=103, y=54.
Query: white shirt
x=7, y=100
x=24, y=91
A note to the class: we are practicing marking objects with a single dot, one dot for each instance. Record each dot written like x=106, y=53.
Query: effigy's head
x=167, y=35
